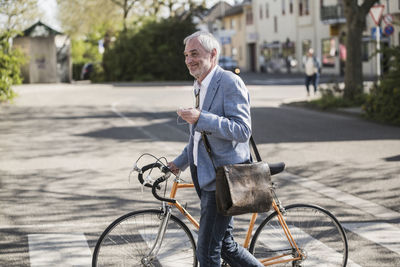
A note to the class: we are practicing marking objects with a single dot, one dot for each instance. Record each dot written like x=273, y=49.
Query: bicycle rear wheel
x=317, y=233
x=128, y=240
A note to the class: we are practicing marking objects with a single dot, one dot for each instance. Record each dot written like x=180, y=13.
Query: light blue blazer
x=225, y=117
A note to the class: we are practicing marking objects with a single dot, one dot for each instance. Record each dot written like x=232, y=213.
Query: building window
x=232, y=23
x=249, y=17
x=307, y=7
x=275, y=24
x=328, y=52
x=267, y=10
x=239, y=24
x=291, y=6
x=283, y=7
x=306, y=44
x=304, y=7
x=300, y=8
x=261, y=13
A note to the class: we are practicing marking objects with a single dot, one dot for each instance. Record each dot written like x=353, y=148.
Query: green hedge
x=77, y=70
x=155, y=52
x=383, y=102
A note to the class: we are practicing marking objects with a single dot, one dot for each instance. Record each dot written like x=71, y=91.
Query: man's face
x=198, y=60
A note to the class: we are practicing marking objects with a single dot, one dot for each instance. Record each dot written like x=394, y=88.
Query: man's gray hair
x=207, y=41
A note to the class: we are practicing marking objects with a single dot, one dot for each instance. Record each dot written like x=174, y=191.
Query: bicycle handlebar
x=153, y=190
x=167, y=172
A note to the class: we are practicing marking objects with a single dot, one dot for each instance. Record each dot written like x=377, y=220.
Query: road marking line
x=369, y=207
x=132, y=123
x=58, y=226
x=383, y=234
x=59, y=250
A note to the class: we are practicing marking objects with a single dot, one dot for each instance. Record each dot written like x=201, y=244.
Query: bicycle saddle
x=276, y=168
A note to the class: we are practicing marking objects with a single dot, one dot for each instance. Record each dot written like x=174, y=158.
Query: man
x=312, y=69
x=223, y=113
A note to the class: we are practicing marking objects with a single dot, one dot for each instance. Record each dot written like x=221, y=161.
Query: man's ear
x=214, y=53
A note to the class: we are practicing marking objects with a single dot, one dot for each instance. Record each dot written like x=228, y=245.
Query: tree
x=82, y=18
x=126, y=6
x=18, y=14
x=10, y=63
x=355, y=20
x=153, y=52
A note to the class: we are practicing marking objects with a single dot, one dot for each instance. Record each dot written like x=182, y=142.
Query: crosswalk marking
x=361, y=204
x=73, y=249
x=59, y=250
x=276, y=240
x=383, y=234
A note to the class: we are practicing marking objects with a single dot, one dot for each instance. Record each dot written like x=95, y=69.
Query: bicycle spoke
x=316, y=232
x=130, y=238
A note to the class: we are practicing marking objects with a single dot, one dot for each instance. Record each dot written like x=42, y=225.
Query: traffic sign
x=374, y=33
x=388, y=19
x=376, y=13
x=225, y=40
x=389, y=29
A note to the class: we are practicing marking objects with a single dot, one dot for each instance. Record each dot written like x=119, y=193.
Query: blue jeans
x=314, y=79
x=216, y=240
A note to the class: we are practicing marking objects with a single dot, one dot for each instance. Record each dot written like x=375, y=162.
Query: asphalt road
x=66, y=152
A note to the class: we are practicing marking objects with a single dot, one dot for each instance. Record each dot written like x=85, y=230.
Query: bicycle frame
x=275, y=205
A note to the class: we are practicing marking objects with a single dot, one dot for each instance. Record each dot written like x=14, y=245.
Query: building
x=233, y=39
x=47, y=54
x=277, y=34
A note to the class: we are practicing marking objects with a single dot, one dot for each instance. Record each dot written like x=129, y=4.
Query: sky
x=50, y=10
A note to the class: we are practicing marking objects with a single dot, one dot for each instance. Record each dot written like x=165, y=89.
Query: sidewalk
x=249, y=77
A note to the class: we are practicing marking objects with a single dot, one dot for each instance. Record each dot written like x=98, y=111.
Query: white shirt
x=203, y=90
x=310, y=68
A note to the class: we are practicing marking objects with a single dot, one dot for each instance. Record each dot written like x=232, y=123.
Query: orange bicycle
x=295, y=235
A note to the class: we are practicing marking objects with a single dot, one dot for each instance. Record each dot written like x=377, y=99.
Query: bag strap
x=253, y=144
x=208, y=148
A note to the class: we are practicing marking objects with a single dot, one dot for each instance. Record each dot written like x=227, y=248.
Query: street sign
x=225, y=40
x=376, y=13
x=389, y=29
x=374, y=33
x=388, y=19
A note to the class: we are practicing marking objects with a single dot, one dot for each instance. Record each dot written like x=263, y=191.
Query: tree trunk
x=353, y=77
x=355, y=22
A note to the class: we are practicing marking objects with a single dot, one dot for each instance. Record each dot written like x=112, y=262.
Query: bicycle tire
x=316, y=231
x=129, y=238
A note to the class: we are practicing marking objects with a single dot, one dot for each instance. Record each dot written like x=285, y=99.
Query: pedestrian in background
x=312, y=69
x=222, y=111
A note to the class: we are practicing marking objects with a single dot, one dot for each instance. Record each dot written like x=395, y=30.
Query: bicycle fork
x=151, y=256
x=297, y=254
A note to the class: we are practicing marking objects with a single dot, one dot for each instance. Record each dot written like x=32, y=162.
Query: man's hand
x=174, y=169
x=190, y=115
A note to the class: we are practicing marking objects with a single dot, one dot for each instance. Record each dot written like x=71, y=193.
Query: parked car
x=229, y=63
x=87, y=69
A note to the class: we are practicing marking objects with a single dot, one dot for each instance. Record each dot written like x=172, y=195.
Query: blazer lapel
x=212, y=88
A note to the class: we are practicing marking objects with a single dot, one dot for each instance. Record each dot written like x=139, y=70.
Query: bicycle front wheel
x=317, y=233
x=129, y=240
